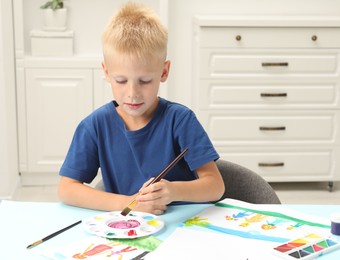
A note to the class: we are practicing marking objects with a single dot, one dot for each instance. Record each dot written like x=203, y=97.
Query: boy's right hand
x=153, y=207
x=150, y=207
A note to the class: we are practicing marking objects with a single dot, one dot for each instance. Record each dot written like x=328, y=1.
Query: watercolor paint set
x=308, y=247
x=114, y=225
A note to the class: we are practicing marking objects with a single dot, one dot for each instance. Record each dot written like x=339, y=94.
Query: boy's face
x=135, y=84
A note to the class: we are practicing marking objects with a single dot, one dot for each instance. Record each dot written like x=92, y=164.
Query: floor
x=289, y=193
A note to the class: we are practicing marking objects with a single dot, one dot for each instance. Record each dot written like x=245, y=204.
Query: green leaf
x=54, y=5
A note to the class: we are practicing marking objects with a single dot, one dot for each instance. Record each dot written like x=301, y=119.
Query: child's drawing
x=247, y=220
x=107, y=249
x=94, y=247
x=253, y=219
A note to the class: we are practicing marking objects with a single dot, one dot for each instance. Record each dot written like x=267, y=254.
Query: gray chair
x=241, y=184
x=244, y=184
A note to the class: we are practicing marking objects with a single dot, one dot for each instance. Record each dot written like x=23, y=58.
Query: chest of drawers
x=267, y=91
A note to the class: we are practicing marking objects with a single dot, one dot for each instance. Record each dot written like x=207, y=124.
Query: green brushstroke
x=148, y=243
x=274, y=214
x=196, y=221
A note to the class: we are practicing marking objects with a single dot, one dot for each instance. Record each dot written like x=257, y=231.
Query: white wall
x=87, y=18
x=9, y=176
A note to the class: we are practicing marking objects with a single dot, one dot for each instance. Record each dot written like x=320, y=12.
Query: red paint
x=132, y=232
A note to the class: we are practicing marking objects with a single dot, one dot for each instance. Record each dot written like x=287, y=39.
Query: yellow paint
x=99, y=218
x=153, y=223
x=313, y=236
x=300, y=241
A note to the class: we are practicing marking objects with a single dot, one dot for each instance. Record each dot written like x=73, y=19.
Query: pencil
x=129, y=207
x=52, y=235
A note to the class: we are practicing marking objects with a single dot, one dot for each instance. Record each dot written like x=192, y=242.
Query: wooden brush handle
x=169, y=167
x=133, y=203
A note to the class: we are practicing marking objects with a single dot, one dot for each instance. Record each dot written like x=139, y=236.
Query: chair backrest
x=244, y=184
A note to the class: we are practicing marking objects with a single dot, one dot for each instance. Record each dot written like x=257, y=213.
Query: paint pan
x=308, y=247
x=114, y=225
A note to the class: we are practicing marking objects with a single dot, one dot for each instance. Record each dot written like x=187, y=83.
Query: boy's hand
x=154, y=198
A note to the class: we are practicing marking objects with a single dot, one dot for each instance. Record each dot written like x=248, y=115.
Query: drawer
x=221, y=63
x=269, y=94
x=272, y=127
x=265, y=37
x=294, y=164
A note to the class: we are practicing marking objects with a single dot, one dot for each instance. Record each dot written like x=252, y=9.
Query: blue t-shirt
x=126, y=158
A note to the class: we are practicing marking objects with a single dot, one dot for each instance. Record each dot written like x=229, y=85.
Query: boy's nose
x=133, y=91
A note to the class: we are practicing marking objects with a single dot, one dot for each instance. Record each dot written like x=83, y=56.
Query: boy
x=133, y=138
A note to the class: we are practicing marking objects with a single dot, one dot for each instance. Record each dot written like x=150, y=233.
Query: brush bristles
x=128, y=208
x=125, y=211
x=34, y=244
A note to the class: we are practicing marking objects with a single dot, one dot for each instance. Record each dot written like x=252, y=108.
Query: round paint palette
x=115, y=225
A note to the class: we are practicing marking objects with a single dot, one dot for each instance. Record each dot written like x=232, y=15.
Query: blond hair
x=135, y=30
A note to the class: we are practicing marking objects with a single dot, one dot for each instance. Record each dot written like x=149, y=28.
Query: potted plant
x=54, y=15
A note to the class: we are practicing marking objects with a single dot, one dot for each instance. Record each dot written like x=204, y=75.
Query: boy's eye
x=145, y=81
x=121, y=81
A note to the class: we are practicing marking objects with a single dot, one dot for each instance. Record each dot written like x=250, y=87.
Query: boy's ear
x=165, y=72
x=105, y=71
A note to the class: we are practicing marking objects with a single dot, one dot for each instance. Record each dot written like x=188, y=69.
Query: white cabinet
x=56, y=100
x=55, y=97
x=268, y=93
x=102, y=93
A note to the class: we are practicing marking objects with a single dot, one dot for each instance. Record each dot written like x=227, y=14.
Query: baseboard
x=39, y=179
x=13, y=192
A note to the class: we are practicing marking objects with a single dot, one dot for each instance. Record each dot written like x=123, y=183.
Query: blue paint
x=247, y=234
x=242, y=214
x=148, y=217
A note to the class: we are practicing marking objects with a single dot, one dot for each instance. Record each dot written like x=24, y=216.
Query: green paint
x=148, y=243
x=309, y=249
x=196, y=221
x=274, y=214
x=323, y=244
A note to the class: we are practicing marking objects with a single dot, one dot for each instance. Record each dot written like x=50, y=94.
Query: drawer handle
x=272, y=128
x=278, y=164
x=314, y=38
x=274, y=64
x=273, y=94
x=238, y=38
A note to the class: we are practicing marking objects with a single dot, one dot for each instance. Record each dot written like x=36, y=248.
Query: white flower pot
x=55, y=20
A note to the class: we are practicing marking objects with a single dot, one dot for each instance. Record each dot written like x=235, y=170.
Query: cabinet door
x=56, y=101
x=101, y=89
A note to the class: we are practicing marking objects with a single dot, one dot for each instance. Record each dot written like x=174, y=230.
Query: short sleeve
x=81, y=162
x=191, y=134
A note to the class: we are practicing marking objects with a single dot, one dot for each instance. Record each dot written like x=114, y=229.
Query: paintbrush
x=133, y=203
x=52, y=235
